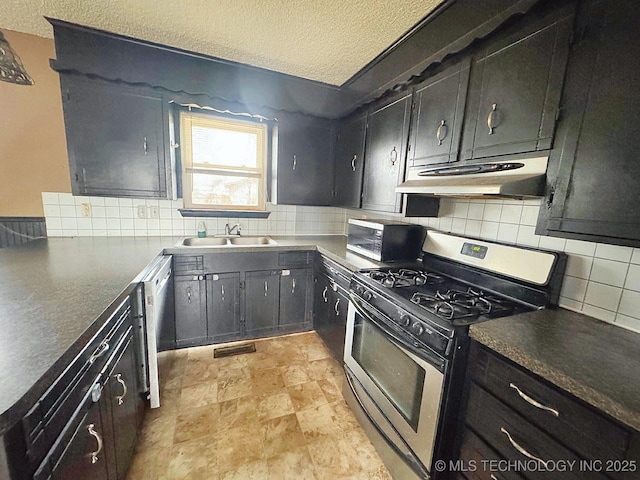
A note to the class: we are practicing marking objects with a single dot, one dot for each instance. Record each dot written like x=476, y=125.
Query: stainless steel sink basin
x=204, y=242
x=252, y=241
x=227, y=241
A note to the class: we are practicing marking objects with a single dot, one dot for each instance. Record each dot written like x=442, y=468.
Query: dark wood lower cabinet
x=223, y=307
x=294, y=298
x=262, y=302
x=191, y=313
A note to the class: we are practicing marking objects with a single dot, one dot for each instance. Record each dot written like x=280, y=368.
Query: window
x=223, y=162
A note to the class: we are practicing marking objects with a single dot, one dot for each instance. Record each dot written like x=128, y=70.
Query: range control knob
x=359, y=289
x=367, y=295
x=405, y=320
x=417, y=329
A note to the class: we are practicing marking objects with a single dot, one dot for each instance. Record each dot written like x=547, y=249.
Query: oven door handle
x=409, y=455
x=383, y=325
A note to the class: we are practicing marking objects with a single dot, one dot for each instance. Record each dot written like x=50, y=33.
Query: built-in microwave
x=384, y=240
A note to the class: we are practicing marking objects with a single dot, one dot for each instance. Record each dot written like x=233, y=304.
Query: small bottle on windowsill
x=202, y=230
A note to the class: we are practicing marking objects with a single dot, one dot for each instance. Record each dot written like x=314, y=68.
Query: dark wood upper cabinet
x=515, y=88
x=386, y=150
x=116, y=139
x=436, y=122
x=594, y=171
x=303, y=167
x=349, y=162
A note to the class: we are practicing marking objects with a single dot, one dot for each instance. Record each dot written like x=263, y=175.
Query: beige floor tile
x=237, y=412
x=293, y=464
x=273, y=405
x=262, y=361
x=199, y=371
x=157, y=432
x=196, y=458
x=267, y=381
x=331, y=389
x=148, y=464
x=196, y=422
x=325, y=368
x=307, y=395
x=234, y=384
x=333, y=459
x=256, y=470
x=239, y=446
x=345, y=416
x=199, y=395
x=281, y=435
x=319, y=422
x=295, y=374
x=363, y=449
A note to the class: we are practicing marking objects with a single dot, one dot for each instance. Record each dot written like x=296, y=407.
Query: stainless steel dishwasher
x=157, y=294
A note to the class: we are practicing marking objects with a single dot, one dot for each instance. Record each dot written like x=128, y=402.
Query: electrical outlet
x=154, y=212
x=86, y=209
x=142, y=211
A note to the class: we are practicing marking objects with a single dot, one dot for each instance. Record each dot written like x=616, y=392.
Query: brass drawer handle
x=96, y=435
x=533, y=402
x=521, y=449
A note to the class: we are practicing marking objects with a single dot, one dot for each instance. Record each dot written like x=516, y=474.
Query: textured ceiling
x=325, y=40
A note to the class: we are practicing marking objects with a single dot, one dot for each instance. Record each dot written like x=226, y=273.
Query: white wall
x=602, y=281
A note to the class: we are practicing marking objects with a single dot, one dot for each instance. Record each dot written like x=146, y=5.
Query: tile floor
x=274, y=414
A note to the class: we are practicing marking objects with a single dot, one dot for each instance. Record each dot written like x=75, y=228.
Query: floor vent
x=234, y=350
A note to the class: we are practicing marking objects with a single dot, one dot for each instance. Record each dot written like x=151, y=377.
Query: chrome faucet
x=229, y=230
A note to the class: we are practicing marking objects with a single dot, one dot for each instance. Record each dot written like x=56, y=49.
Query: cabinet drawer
x=294, y=259
x=480, y=462
x=337, y=273
x=511, y=435
x=188, y=263
x=561, y=416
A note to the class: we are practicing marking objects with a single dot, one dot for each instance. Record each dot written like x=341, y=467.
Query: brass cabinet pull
x=324, y=294
x=533, y=402
x=353, y=163
x=120, y=398
x=96, y=435
x=100, y=351
x=521, y=449
x=335, y=307
x=439, y=133
x=295, y=162
x=491, y=117
x=393, y=156
x=293, y=285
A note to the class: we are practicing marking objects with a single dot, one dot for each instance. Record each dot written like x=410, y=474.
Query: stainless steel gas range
x=407, y=338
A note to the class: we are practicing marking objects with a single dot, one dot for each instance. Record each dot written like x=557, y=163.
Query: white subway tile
x=114, y=233
x=51, y=210
x=96, y=201
x=112, y=212
x=489, y=230
x=508, y=232
x=152, y=202
x=580, y=248
x=99, y=233
x=111, y=202
x=629, y=323
x=633, y=278
x=79, y=200
x=614, y=252
x=630, y=304
x=635, y=258
x=153, y=224
x=511, y=213
x=476, y=211
x=599, y=313
x=126, y=212
x=50, y=198
x=53, y=223
x=447, y=207
x=529, y=215
x=84, y=223
x=98, y=223
x=85, y=233
x=574, y=288
x=446, y=224
x=434, y=222
x=570, y=304
x=527, y=236
x=473, y=228
x=69, y=223
x=579, y=266
x=128, y=233
x=125, y=202
x=66, y=199
x=113, y=224
x=126, y=224
x=461, y=209
x=602, y=296
x=68, y=211
x=70, y=232
x=54, y=233
x=458, y=225
x=553, y=243
x=608, y=272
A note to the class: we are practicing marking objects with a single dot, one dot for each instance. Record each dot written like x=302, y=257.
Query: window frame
x=187, y=119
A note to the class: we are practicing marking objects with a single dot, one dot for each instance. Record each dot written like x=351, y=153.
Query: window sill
x=223, y=213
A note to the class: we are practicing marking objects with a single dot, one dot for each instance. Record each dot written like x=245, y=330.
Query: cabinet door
x=293, y=298
x=386, y=145
x=436, y=122
x=84, y=456
x=515, y=89
x=593, y=174
x=223, y=306
x=332, y=328
x=349, y=162
x=322, y=295
x=124, y=401
x=304, y=174
x=262, y=302
x=115, y=139
x=191, y=310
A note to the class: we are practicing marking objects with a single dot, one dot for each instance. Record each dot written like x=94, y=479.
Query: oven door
x=399, y=391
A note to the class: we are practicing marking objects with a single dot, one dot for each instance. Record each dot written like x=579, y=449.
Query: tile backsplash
x=68, y=215
x=602, y=281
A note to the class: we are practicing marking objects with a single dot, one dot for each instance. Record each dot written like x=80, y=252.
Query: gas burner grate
x=455, y=304
x=405, y=277
x=448, y=310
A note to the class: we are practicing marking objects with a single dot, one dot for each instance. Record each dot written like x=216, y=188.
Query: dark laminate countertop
x=52, y=293
x=595, y=361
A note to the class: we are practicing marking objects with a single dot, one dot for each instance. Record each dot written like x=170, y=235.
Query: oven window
x=396, y=374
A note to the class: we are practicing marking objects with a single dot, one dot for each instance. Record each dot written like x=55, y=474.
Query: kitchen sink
x=252, y=241
x=226, y=241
